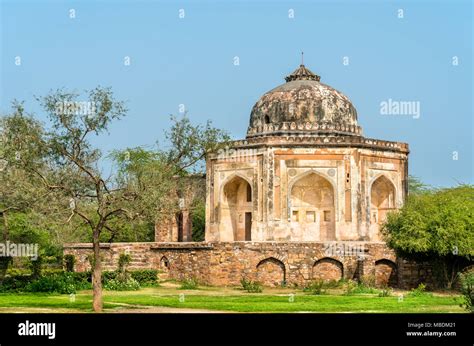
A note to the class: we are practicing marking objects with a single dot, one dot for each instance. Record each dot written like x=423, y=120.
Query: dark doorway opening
x=179, y=222
x=248, y=226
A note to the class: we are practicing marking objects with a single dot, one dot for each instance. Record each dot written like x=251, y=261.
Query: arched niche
x=236, y=209
x=386, y=273
x=382, y=199
x=328, y=269
x=271, y=272
x=312, y=206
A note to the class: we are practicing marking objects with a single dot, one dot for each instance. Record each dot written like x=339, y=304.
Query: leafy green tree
x=21, y=145
x=25, y=164
x=21, y=190
x=169, y=172
x=199, y=220
x=189, y=144
x=467, y=290
x=416, y=186
x=91, y=197
x=63, y=170
x=147, y=174
x=436, y=226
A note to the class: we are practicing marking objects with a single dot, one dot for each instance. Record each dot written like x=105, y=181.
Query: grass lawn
x=208, y=299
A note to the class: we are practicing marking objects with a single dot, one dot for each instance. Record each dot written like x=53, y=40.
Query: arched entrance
x=236, y=209
x=164, y=267
x=312, y=207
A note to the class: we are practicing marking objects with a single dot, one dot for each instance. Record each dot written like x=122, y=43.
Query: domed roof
x=303, y=105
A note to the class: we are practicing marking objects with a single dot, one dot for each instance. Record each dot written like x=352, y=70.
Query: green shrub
x=18, y=271
x=367, y=281
x=49, y=271
x=121, y=279
x=189, y=284
x=55, y=283
x=420, y=291
x=122, y=285
x=362, y=289
x=467, y=290
x=4, y=264
x=108, y=275
x=58, y=281
x=145, y=277
x=82, y=278
x=349, y=287
x=15, y=283
x=365, y=286
x=198, y=217
x=124, y=261
x=316, y=287
x=36, y=267
x=385, y=292
x=52, y=282
x=251, y=286
x=334, y=283
x=69, y=262
x=82, y=281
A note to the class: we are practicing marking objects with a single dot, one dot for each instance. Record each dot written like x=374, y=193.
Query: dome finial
x=302, y=73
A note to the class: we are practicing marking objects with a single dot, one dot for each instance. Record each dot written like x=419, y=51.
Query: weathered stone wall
x=272, y=263
x=412, y=274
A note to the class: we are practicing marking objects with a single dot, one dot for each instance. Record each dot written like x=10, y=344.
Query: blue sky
x=190, y=61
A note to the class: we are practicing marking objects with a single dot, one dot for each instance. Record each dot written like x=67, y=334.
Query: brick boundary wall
x=226, y=263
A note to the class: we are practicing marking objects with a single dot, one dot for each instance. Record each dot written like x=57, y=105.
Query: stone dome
x=303, y=105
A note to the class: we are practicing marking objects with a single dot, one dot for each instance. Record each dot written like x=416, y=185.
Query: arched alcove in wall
x=382, y=199
x=313, y=205
x=271, y=272
x=236, y=208
x=386, y=273
x=328, y=269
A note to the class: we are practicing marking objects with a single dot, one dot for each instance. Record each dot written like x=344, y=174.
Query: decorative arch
x=280, y=257
x=235, y=212
x=383, y=198
x=386, y=273
x=230, y=177
x=271, y=272
x=379, y=175
x=327, y=269
x=312, y=199
x=312, y=171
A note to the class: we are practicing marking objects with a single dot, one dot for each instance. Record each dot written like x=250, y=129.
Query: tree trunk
x=453, y=272
x=97, y=274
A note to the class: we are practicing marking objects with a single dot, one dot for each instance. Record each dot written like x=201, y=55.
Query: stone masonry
x=271, y=263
